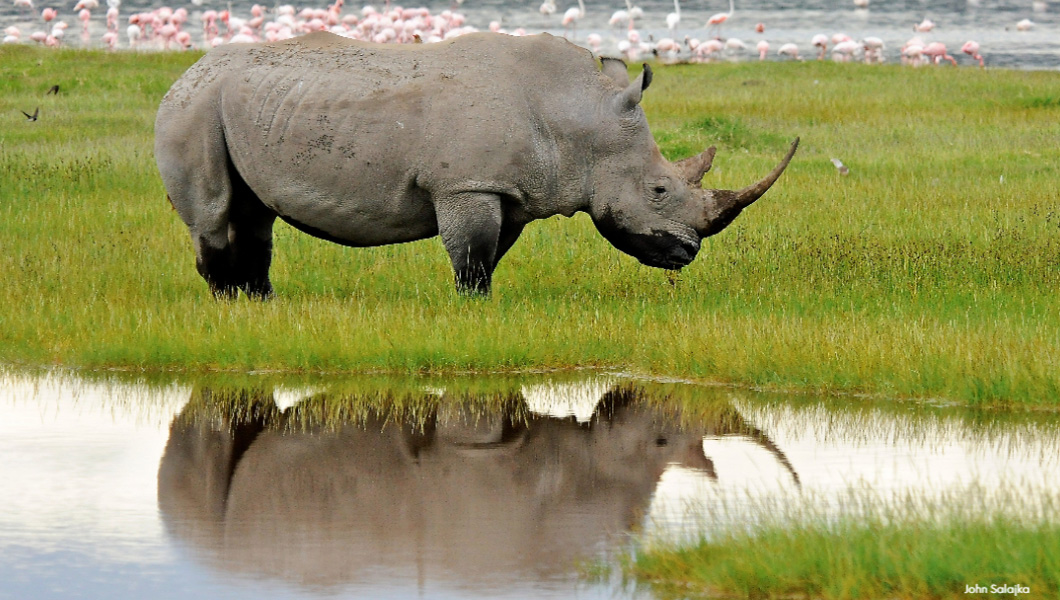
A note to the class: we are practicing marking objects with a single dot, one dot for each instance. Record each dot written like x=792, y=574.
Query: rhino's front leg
x=470, y=226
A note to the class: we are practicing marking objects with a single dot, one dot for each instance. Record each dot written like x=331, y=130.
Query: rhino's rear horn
x=753, y=192
x=693, y=168
x=616, y=70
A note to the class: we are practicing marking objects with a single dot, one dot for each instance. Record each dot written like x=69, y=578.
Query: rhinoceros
x=470, y=139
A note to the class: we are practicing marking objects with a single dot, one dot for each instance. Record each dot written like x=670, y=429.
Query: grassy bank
x=857, y=558
x=930, y=270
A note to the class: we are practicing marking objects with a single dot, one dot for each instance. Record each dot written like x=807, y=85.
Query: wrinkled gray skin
x=469, y=139
x=459, y=496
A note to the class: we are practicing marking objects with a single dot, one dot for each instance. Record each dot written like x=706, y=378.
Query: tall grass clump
x=938, y=551
x=930, y=270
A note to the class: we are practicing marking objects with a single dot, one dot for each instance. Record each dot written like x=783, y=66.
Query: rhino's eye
x=660, y=190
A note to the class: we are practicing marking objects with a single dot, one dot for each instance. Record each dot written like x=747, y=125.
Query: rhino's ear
x=693, y=168
x=630, y=97
x=616, y=70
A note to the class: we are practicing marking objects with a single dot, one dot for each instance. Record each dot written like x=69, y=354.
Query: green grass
x=931, y=270
x=862, y=558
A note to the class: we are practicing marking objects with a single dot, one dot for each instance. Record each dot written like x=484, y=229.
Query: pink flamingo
x=12, y=35
x=924, y=26
x=844, y=51
x=668, y=47
x=595, y=40
x=571, y=17
x=937, y=51
x=820, y=41
x=716, y=20
x=48, y=14
x=873, y=47
x=84, y=16
x=971, y=48
x=789, y=50
x=763, y=49
x=183, y=39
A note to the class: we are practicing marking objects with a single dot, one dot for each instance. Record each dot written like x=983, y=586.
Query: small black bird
x=32, y=117
x=53, y=90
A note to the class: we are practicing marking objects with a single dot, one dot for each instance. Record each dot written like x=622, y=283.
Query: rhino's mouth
x=674, y=250
x=671, y=246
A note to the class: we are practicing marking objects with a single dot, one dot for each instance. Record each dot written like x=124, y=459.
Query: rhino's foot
x=234, y=267
x=258, y=290
x=477, y=290
x=224, y=292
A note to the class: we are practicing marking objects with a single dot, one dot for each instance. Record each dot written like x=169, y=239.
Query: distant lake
x=990, y=22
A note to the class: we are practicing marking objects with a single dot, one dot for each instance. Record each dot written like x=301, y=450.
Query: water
x=990, y=22
x=450, y=488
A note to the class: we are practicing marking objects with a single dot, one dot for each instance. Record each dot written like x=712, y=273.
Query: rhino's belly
x=349, y=215
x=343, y=170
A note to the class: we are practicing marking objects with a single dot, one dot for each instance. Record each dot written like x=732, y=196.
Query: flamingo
x=635, y=12
x=735, y=45
x=790, y=50
x=547, y=7
x=84, y=15
x=913, y=52
x=716, y=20
x=1025, y=25
x=571, y=18
x=820, y=41
x=667, y=47
x=674, y=18
x=595, y=40
x=763, y=49
x=937, y=51
x=924, y=26
x=844, y=51
x=873, y=47
x=706, y=50
x=971, y=48
x=862, y=4
x=48, y=14
x=618, y=17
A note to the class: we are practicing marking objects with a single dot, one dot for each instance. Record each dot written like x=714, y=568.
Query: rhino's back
x=526, y=65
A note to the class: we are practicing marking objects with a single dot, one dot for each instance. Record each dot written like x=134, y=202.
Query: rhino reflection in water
x=460, y=497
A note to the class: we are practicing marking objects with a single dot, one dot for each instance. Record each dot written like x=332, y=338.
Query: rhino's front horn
x=722, y=206
x=753, y=192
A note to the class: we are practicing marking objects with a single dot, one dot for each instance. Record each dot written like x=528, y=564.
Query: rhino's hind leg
x=470, y=225
x=250, y=239
x=234, y=248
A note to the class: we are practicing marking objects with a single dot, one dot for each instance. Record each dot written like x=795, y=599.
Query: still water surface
x=448, y=488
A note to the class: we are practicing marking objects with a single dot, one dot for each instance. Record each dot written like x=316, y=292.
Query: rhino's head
x=648, y=207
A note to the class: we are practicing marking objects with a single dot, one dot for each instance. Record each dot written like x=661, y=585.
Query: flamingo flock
x=168, y=28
